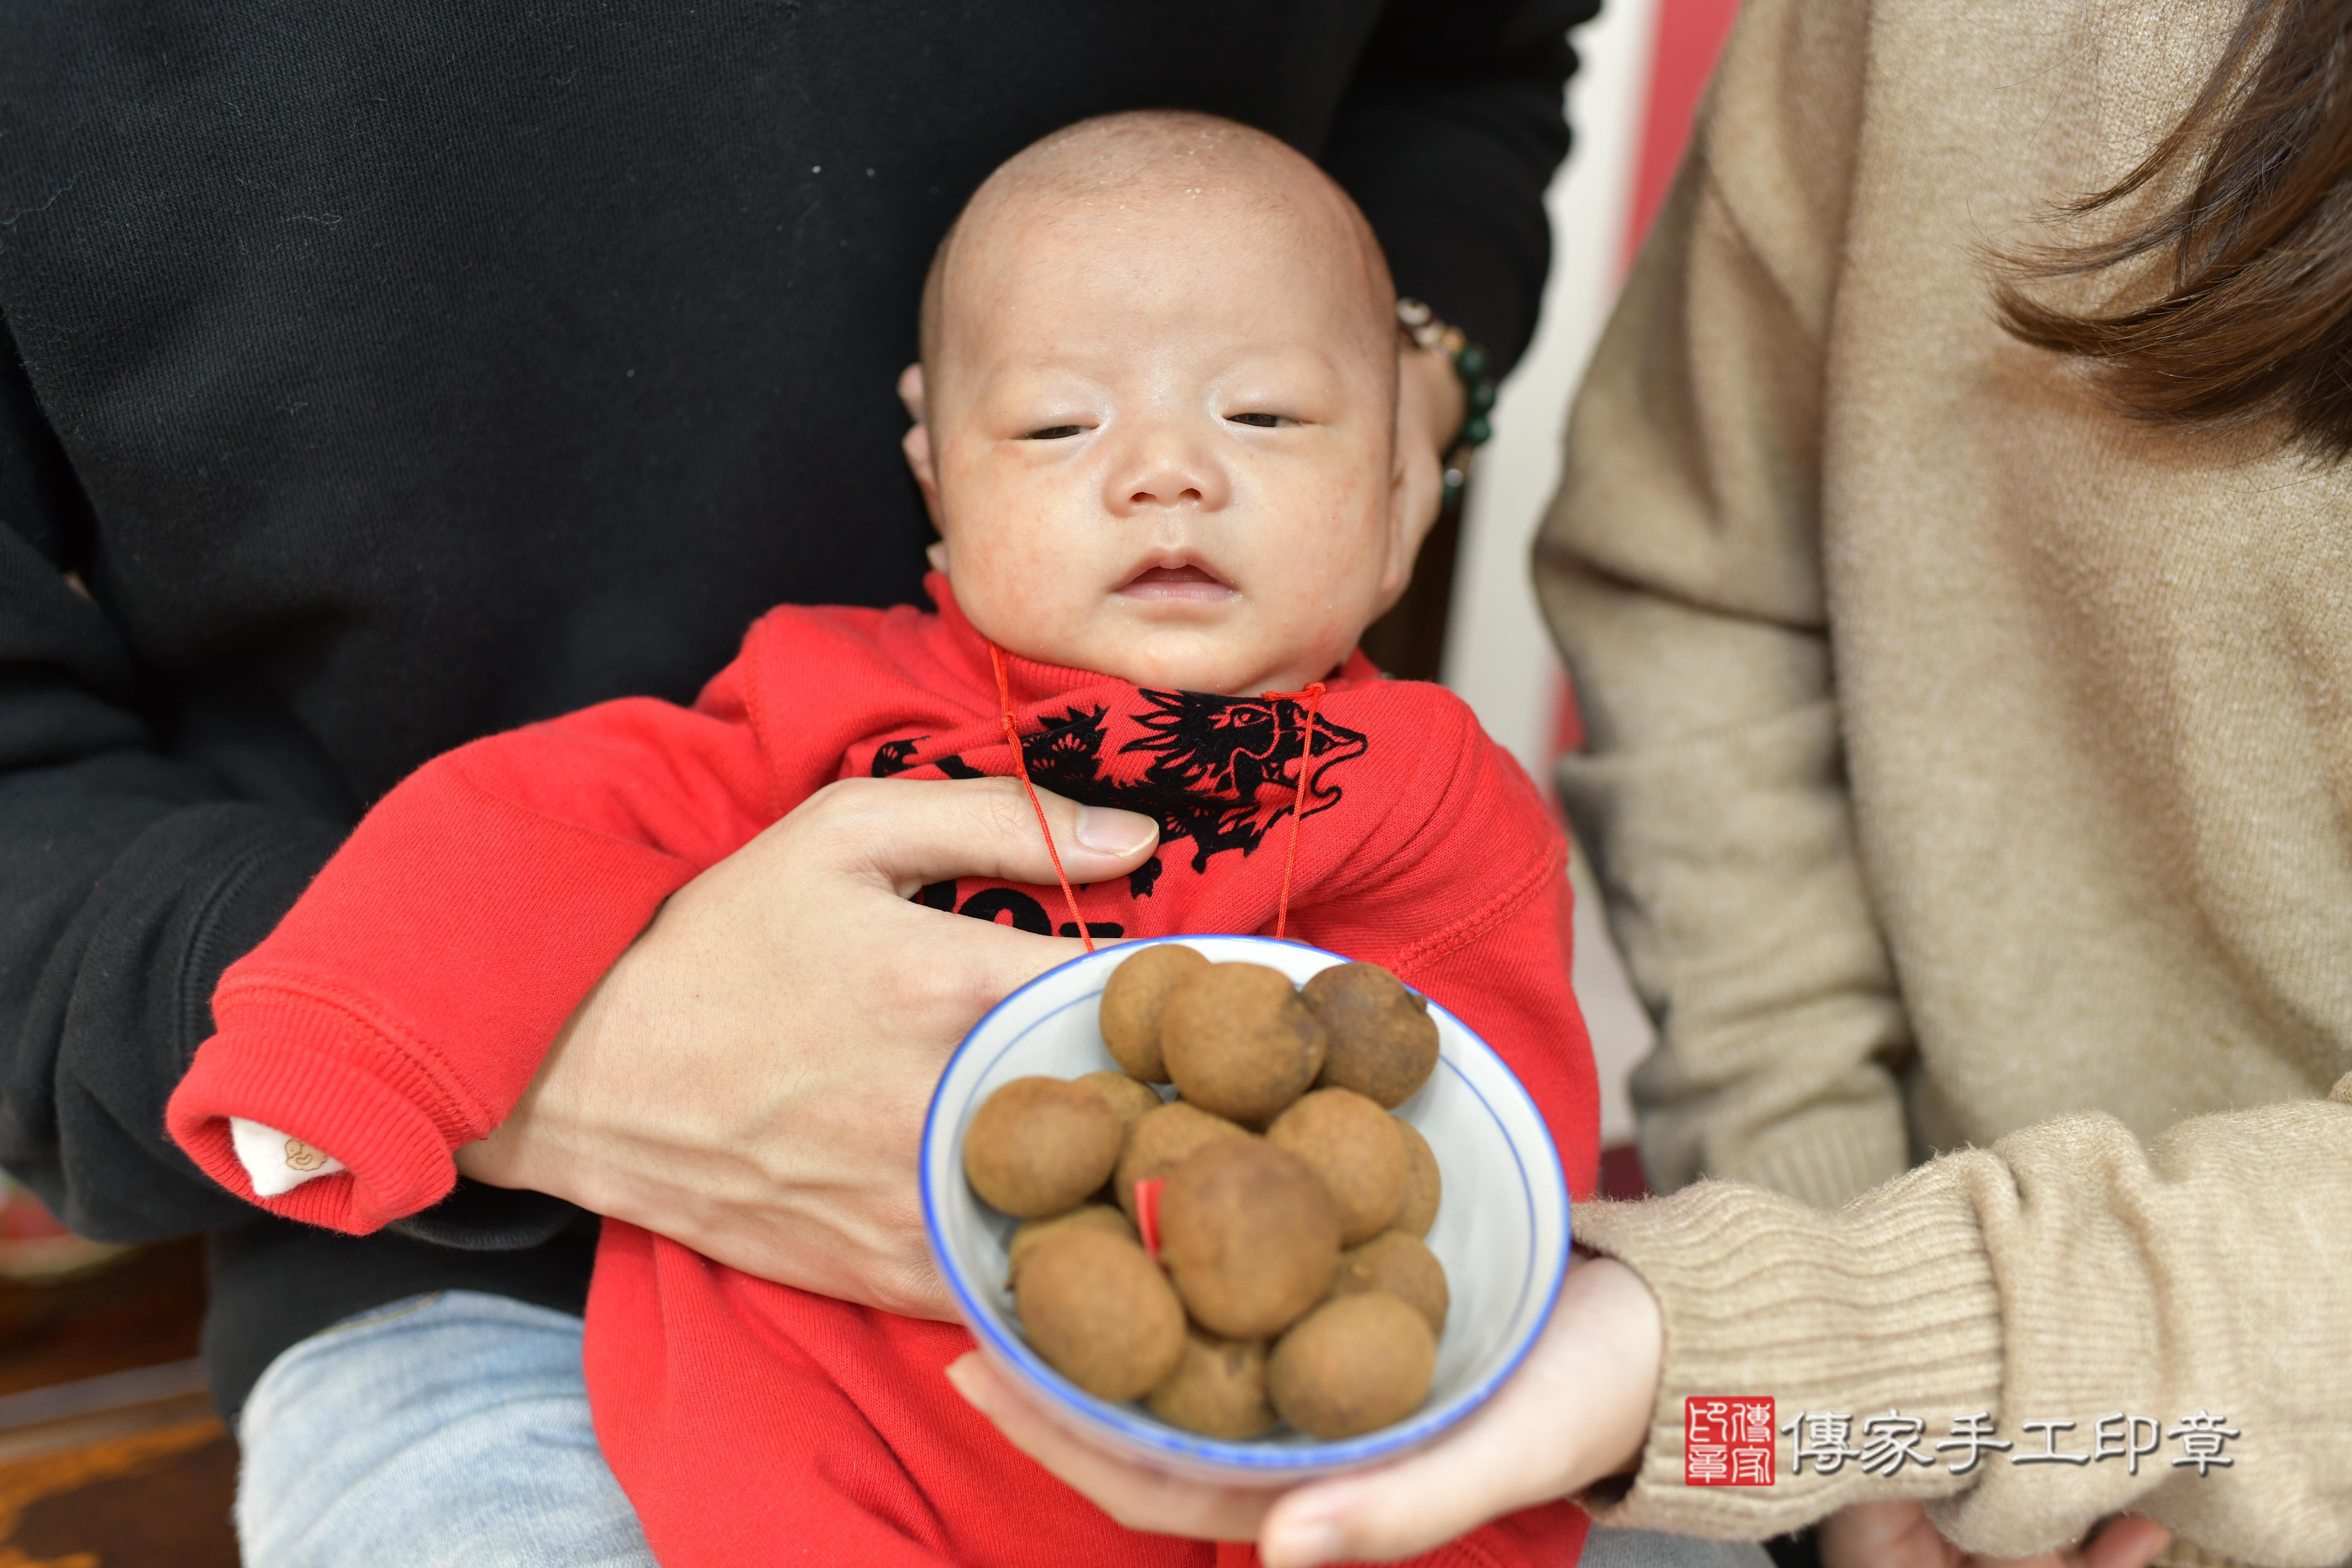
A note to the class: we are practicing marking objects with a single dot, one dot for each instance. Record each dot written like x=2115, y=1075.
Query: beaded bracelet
x=1424, y=329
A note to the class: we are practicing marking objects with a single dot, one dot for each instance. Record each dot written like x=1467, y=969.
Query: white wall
x=1497, y=654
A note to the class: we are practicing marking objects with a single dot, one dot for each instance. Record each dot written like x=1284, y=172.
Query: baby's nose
x=1170, y=490
x=1172, y=493
x=1167, y=470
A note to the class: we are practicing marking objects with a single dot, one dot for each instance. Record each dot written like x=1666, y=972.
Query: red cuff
x=315, y=1072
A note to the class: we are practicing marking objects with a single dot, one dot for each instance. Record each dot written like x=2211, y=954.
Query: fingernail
x=1108, y=831
x=1302, y=1543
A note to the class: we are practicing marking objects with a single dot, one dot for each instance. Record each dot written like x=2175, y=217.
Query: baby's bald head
x=1156, y=418
x=1148, y=174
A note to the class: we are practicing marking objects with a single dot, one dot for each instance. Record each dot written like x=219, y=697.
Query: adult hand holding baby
x=750, y=1079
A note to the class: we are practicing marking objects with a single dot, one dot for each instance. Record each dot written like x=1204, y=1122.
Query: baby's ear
x=917, y=442
x=1416, y=486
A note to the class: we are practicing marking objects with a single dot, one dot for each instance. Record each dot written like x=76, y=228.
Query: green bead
x=1481, y=396
x=1470, y=364
x=1477, y=431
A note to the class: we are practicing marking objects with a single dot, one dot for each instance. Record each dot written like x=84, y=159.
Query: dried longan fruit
x=1100, y=1312
x=1238, y=1040
x=1353, y=1365
x=1355, y=1147
x=1423, y=1184
x=1249, y=1235
x=1040, y=1145
x=1161, y=1140
x=1131, y=1002
x=1218, y=1388
x=1382, y=1043
x=1131, y=1097
x=1399, y=1265
x=1087, y=1216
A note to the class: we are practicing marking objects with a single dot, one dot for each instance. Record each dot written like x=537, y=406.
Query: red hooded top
x=402, y=1005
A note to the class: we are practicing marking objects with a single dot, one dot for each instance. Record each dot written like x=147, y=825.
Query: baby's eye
x=1054, y=433
x=1258, y=421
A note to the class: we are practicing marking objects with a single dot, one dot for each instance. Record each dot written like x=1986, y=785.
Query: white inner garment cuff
x=275, y=1163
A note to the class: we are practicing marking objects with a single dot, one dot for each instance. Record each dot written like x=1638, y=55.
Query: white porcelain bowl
x=1501, y=1231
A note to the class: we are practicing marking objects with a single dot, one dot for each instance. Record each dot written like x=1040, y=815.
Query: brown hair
x=2254, y=322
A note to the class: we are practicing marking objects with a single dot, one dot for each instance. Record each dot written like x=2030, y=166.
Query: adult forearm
x=1681, y=570
x=127, y=890
x=2067, y=1274
x=1449, y=135
x=130, y=874
x=1713, y=800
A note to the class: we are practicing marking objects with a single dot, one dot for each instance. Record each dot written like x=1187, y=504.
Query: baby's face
x=1161, y=444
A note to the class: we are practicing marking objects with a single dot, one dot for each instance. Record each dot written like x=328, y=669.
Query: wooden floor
x=110, y=1454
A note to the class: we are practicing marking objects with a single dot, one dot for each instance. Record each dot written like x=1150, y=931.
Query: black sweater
x=391, y=375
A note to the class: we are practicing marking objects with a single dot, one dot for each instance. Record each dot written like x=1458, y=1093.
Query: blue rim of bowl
x=1261, y=1458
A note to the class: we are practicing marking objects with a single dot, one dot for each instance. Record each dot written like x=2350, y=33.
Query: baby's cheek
x=1354, y=562
x=1344, y=548
x=1022, y=592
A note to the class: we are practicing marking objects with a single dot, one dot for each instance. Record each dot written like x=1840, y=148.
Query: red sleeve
x=1466, y=898
x=402, y=1005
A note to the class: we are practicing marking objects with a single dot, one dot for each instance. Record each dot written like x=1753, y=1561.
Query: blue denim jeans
x=452, y=1431
x=444, y=1431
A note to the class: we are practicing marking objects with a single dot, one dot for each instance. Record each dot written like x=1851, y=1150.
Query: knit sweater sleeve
x=2067, y=1275
x=400, y=1008
x=1680, y=571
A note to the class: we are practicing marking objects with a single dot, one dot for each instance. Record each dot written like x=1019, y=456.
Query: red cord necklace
x=1312, y=696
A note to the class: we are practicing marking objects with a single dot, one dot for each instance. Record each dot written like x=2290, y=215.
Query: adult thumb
x=911, y=832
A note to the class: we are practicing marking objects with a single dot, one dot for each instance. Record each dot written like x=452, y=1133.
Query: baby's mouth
x=1187, y=583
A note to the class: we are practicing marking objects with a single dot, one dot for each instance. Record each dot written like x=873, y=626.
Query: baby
x=1156, y=419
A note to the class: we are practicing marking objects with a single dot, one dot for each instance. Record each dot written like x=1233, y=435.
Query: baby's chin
x=1232, y=667
x=1181, y=646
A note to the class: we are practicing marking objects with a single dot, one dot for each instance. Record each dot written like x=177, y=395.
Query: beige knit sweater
x=1971, y=771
